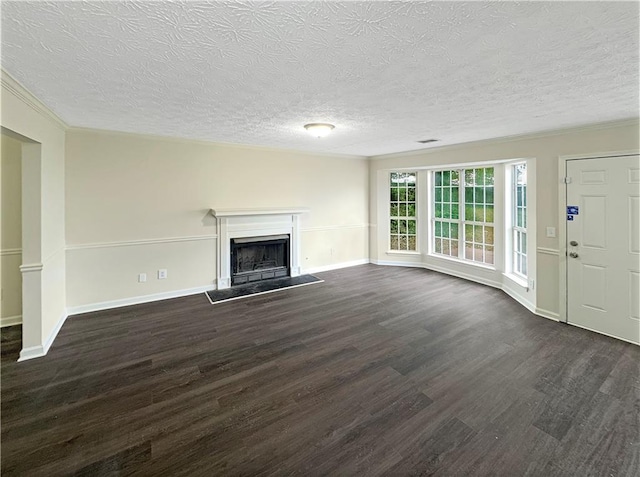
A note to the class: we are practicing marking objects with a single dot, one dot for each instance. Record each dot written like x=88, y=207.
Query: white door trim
x=562, y=217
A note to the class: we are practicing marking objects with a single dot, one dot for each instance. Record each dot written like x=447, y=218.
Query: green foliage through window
x=402, y=211
x=464, y=197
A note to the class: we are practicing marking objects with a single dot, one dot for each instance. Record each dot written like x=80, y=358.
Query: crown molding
x=513, y=138
x=204, y=142
x=10, y=84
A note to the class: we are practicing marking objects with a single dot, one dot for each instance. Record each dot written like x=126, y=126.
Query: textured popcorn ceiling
x=387, y=74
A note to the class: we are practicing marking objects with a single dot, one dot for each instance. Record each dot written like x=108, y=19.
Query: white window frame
x=404, y=217
x=434, y=219
x=462, y=220
x=518, y=250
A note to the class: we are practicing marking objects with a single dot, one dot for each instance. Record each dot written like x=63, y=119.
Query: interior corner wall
x=545, y=151
x=136, y=204
x=11, y=231
x=19, y=115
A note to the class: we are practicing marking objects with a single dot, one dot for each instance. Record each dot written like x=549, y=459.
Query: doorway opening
x=11, y=231
x=25, y=224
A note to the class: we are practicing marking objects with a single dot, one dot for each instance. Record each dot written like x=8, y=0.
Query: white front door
x=603, y=245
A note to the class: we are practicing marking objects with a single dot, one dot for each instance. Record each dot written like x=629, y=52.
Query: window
x=465, y=232
x=447, y=212
x=519, y=220
x=402, y=211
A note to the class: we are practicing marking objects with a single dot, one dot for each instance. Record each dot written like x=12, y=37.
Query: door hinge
x=566, y=180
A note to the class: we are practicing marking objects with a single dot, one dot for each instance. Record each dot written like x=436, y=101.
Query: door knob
x=573, y=243
x=573, y=255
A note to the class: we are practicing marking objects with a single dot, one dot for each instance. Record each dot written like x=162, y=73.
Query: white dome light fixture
x=319, y=129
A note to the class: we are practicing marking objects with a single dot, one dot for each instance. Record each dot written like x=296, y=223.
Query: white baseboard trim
x=391, y=263
x=10, y=321
x=136, y=300
x=446, y=271
x=465, y=276
x=520, y=299
x=526, y=303
x=30, y=353
x=40, y=351
x=55, y=332
x=552, y=315
x=336, y=266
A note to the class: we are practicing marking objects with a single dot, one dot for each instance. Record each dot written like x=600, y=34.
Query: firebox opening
x=259, y=258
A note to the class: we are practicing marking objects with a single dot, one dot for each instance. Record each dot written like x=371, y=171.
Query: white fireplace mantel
x=238, y=223
x=262, y=211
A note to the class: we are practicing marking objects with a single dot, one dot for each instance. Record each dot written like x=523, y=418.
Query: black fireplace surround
x=259, y=258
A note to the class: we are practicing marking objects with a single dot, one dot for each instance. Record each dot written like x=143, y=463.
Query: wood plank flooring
x=376, y=371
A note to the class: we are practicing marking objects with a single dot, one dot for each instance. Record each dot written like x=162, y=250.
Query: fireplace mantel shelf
x=261, y=211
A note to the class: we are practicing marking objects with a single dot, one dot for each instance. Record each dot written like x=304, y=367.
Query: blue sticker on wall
x=569, y=217
x=572, y=210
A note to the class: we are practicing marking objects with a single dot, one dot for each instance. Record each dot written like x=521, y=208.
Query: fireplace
x=234, y=224
x=259, y=258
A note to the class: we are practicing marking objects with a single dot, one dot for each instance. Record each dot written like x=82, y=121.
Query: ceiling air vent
x=427, y=141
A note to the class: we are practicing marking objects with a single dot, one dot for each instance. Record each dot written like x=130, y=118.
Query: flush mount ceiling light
x=319, y=129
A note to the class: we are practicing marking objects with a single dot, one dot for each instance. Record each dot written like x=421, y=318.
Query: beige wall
x=132, y=204
x=43, y=217
x=545, y=150
x=136, y=204
x=11, y=231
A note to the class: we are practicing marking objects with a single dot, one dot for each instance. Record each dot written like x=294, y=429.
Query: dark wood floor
x=376, y=371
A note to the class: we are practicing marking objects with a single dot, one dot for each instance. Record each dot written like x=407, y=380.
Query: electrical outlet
x=162, y=274
x=532, y=284
x=142, y=277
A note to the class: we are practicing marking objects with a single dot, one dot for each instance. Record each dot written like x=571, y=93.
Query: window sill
x=517, y=280
x=402, y=252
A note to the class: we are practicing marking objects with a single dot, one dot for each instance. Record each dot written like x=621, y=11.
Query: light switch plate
x=551, y=232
